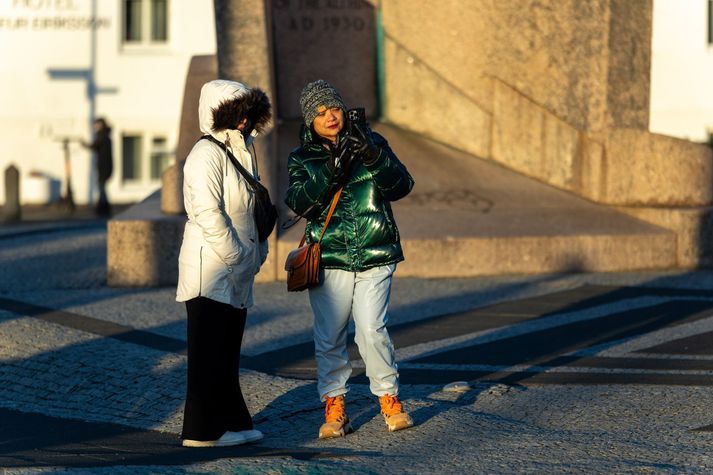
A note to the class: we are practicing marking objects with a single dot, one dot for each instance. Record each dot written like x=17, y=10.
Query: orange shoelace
x=390, y=405
x=334, y=410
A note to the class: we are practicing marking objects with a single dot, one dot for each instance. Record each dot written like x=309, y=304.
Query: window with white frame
x=160, y=158
x=145, y=22
x=131, y=153
x=144, y=157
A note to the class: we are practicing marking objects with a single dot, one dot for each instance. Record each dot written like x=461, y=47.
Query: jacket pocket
x=213, y=274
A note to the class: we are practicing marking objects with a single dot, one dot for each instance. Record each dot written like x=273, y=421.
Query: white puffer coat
x=220, y=254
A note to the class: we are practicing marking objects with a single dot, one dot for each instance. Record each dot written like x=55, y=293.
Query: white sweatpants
x=365, y=296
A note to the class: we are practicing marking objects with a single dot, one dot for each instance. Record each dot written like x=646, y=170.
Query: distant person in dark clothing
x=105, y=163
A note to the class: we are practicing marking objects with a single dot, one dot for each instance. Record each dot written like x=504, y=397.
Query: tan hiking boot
x=393, y=412
x=336, y=421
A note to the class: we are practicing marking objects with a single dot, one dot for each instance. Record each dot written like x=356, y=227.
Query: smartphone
x=357, y=116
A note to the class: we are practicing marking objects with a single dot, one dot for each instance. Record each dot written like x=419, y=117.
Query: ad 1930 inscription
x=333, y=40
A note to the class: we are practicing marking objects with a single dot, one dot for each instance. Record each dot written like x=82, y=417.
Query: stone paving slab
x=594, y=429
x=77, y=444
x=76, y=397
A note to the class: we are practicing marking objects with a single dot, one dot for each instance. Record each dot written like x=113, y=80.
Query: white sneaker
x=227, y=439
x=251, y=435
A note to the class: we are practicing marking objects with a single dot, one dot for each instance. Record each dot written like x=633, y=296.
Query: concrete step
x=465, y=217
x=469, y=217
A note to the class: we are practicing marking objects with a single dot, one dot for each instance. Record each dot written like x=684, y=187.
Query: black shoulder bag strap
x=265, y=210
x=252, y=181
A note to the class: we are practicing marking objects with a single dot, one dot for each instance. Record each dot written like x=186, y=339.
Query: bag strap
x=254, y=184
x=335, y=198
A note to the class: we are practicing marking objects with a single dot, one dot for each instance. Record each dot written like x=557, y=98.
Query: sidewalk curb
x=23, y=230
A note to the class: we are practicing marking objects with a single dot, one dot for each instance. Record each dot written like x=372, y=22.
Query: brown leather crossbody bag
x=302, y=264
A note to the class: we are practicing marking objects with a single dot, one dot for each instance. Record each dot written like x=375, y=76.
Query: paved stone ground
x=595, y=373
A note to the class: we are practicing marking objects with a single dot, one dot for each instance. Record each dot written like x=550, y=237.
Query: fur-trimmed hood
x=224, y=103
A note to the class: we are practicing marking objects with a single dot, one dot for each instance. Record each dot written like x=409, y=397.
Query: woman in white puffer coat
x=219, y=258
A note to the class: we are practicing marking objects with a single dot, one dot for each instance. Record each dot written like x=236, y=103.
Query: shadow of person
x=78, y=444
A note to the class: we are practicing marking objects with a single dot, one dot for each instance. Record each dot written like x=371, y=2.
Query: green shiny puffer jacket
x=362, y=232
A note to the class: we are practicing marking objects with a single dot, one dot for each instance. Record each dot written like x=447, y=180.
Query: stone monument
x=172, y=189
x=330, y=40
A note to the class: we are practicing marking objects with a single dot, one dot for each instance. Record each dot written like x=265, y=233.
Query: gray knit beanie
x=319, y=93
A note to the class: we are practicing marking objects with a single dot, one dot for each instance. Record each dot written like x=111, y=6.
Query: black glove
x=339, y=160
x=361, y=143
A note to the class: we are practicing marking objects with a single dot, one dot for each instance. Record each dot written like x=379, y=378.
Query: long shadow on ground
x=35, y=440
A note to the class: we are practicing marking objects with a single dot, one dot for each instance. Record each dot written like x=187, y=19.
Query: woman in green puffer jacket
x=360, y=248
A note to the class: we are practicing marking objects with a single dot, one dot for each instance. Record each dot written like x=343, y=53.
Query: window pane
x=160, y=157
x=159, y=20
x=131, y=157
x=132, y=20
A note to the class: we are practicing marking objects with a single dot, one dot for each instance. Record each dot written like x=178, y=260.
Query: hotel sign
x=49, y=15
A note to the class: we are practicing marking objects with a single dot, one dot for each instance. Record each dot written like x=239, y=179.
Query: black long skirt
x=214, y=401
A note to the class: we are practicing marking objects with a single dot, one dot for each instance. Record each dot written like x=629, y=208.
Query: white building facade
x=65, y=62
x=682, y=69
